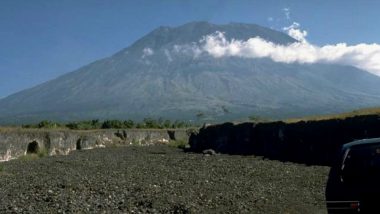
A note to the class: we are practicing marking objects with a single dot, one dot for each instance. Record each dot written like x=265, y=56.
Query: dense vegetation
x=147, y=123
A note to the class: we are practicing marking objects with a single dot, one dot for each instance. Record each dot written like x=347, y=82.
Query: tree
x=129, y=124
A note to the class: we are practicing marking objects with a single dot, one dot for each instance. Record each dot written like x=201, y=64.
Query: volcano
x=164, y=74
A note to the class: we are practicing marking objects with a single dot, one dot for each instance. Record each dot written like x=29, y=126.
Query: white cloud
x=147, y=52
x=364, y=56
x=286, y=12
x=168, y=55
x=270, y=19
x=294, y=31
x=194, y=49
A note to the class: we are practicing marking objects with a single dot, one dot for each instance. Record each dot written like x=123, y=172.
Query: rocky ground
x=159, y=179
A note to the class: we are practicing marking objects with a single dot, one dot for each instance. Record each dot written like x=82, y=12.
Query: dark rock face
x=311, y=142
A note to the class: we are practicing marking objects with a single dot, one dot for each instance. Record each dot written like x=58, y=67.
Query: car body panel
x=354, y=180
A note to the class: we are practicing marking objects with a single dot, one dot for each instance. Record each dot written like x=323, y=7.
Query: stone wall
x=310, y=142
x=18, y=142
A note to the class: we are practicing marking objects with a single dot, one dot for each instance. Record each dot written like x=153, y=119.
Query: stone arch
x=32, y=148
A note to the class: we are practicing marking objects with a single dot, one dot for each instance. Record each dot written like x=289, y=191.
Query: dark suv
x=354, y=181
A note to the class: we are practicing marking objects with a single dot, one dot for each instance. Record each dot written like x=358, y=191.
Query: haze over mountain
x=166, y=74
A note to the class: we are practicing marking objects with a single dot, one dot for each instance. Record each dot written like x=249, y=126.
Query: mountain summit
x=166, y=74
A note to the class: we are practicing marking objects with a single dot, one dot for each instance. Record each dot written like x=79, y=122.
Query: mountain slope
x=162, y=75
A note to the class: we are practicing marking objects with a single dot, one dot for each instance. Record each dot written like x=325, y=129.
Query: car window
x=361, y=163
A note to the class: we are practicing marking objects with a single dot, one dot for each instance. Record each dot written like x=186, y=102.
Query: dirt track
x=159, y=179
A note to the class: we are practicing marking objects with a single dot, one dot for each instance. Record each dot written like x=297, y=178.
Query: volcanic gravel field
x=159, y=179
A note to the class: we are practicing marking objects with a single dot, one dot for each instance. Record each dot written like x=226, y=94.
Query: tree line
x=147, y=123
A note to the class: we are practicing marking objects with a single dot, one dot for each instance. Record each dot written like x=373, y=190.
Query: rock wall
x=310, y=142
x=18, y=142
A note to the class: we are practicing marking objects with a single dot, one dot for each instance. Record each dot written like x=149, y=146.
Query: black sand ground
x=159, y=179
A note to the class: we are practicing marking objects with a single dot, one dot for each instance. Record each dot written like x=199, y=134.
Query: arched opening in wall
x=171, y=134
x=32, y=148
x=79, y=144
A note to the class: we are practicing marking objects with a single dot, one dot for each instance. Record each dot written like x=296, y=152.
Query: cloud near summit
x=363, y=56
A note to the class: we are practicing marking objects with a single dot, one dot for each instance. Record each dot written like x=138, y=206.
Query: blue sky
x=42, y=39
